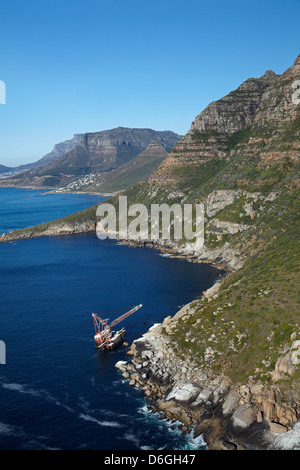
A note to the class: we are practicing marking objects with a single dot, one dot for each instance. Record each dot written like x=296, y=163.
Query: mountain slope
x=4, y=169
x=213, y=132
x=58, y=151
x=244, y=166
x=136, y=170
x=94, y=153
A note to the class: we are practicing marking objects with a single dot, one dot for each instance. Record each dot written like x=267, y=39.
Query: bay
x=22, y=208
x=57, y=391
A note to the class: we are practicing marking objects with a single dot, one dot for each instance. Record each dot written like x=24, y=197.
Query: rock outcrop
x=232, y=417
x=49, y=230
x=237, y=110
x=208, y=136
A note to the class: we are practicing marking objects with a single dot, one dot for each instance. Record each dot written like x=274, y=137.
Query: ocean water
x=57, y=391
x=22, y=208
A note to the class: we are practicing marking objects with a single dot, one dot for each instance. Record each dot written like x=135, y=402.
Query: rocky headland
x=251, y=416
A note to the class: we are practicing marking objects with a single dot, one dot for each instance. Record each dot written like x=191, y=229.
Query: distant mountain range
x=5, y=169
x=93, y=154
x=58, y=151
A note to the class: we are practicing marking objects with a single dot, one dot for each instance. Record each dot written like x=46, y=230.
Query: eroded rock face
x=235, y=111
x=287, y=363
x=279, y=102
x=208, y=136
x=217, y=200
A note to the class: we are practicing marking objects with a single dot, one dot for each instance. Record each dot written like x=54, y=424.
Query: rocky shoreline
x=49, y=230
x=229, y=417
x=247, y=417
x=224, y=258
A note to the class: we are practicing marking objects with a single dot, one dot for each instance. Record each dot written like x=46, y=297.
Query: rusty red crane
x=104, y=337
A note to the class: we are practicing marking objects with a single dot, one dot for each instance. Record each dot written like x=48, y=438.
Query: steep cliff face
x=103, y=151
x=251, y=115
x=136, y=170
x=279, y=104
x=236, y=111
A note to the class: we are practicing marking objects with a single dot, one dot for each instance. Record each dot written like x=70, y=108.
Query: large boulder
x=184, y=393
x=244, y=416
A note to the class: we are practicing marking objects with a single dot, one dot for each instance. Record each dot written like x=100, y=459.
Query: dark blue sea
x=57, y=391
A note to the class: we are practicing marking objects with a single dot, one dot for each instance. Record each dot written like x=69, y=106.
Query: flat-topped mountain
x=95, y=152
x=136, y=170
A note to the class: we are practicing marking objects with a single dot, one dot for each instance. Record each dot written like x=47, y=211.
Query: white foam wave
x=129, y=436
x=35, y=393
x=111, y=424
x=5, y=429
x=289, y=440
x=195, y=443
x=188, y=442
x=35, y=444
x=20, y=388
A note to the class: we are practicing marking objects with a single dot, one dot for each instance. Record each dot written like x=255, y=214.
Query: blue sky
x=84, y=66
